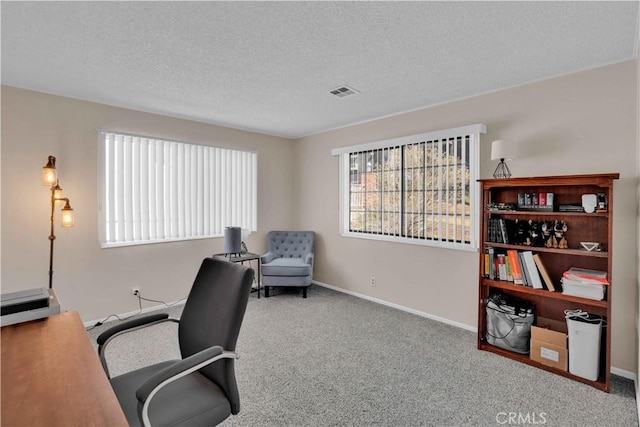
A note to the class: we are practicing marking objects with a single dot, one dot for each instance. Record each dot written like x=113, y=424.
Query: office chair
x=199, y=389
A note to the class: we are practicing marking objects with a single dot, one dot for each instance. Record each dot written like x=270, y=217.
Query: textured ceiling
x=269, y=66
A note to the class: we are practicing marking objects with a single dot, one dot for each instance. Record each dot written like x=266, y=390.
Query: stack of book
x=520, y=267
x=585, y=283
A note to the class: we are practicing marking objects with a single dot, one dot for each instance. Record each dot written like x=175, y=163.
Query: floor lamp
x=50, y=179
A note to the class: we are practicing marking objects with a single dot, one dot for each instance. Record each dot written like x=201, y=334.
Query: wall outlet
x=373, y=281
x=135, y=290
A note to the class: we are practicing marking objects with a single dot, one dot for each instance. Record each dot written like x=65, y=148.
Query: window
x=157, y=191
x=416, y=189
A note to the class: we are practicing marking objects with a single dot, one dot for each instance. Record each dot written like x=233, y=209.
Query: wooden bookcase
x=581, y=227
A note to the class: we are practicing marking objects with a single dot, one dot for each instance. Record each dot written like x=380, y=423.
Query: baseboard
x=131, y=313
x=399, y=307
x=616, y=371
x=637, y=398
x=625, y=374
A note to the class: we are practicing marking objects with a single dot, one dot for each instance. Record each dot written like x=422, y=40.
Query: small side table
x=241, y=258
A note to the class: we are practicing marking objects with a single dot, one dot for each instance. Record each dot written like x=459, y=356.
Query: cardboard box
x=549, y=343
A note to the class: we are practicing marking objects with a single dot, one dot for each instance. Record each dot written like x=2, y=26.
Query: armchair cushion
x=286, y=267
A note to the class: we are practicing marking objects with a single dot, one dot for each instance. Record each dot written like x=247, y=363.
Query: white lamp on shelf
x=501, y=150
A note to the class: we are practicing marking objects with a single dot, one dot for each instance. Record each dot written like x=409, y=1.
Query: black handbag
x=509, y=323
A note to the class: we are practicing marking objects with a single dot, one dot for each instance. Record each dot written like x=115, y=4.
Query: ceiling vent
x=343, y=91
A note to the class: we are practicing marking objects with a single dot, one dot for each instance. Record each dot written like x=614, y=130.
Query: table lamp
x=501, y=150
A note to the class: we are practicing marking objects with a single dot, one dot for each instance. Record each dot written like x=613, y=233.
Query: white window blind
x=415, y=189
x=154, y=190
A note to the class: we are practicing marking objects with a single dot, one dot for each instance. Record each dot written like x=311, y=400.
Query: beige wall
x=94, y=281
x=581, y=123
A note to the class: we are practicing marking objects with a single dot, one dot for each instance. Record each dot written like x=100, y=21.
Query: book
x=512, y=254
x=487, y=265
x=576, y=288
x=492, y=268
x=586, y=275
x=542, y=199
x=503, y=231
x=502, y=267
x=532, y=270
x=525, y=275
x=509, y=269
x=544, y=273
x=549, y=199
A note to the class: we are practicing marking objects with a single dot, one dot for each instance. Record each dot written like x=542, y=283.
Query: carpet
x=337, y=360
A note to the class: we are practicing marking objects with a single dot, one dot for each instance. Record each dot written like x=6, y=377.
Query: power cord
x=118, y=317
x=162, y=302
x=140, y=299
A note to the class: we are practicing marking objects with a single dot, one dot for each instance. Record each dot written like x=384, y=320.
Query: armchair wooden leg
x=304, y=292
x=266, y=292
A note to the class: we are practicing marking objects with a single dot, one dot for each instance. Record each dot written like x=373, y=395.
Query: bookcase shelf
x=524, y=214
x=543, y=293
x=575, y=252
x=600, y=384
x=581, y=227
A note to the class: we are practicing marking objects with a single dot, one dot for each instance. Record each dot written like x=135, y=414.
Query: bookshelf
x=501, y=202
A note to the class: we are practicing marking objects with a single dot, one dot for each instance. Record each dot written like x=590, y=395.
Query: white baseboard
x=400, y=307
x=131, y=313
x=637, y=398
x=615, y=371
x=625, y=374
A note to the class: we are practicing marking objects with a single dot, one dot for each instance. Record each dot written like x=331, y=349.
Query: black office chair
x=199, y=389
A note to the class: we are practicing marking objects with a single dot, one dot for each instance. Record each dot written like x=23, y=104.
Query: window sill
x=418, y=242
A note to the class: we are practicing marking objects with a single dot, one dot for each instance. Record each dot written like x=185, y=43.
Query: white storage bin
x=584, y=331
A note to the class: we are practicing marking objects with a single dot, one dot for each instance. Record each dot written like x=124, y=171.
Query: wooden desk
x=51, y=376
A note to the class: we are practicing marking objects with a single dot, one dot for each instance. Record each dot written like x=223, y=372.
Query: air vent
x=343, y=91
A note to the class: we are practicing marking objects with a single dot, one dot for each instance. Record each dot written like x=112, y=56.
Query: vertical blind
x=419, y=188
x=155, y=190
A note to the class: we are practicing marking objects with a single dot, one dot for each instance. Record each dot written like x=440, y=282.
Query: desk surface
x=51, y=376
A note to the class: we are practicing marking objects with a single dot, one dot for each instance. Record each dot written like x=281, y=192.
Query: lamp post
x=50, y=179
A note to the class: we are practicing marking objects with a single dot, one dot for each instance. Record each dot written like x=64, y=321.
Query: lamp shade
x=58, y=194
x=501, y=149
x=49, y=175
x=67, y=215
x=232, y=240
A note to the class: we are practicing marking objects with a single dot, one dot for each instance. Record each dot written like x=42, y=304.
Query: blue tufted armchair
x=289, y=260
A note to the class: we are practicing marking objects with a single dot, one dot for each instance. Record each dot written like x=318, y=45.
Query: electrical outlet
x=373, y=281
x=135, y=290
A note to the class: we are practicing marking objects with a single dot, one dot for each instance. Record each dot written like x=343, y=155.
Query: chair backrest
x=291, y=244
x=213, y=315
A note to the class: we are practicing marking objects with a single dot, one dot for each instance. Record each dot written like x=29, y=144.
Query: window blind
x=416, y=189
x=155, y=190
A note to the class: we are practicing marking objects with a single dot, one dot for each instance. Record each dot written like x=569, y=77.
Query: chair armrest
x=309, y=258
x=124, y=327
x=171, y=373
x=130, y=324
x=268, y=257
